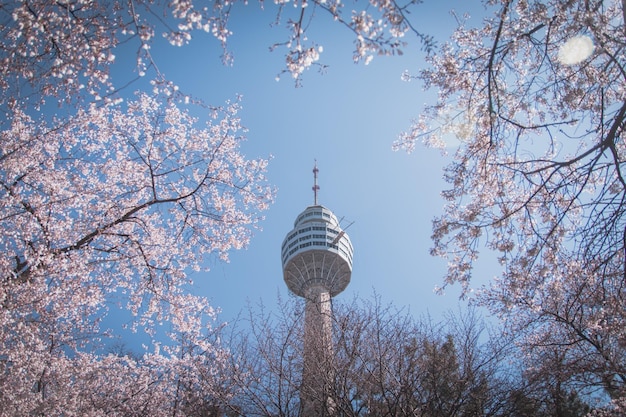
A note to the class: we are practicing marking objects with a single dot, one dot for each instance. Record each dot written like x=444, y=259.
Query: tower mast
x=316, y=187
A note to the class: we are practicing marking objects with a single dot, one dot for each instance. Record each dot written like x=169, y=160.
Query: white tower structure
x=317, y=265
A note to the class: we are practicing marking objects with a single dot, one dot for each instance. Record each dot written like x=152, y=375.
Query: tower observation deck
x=317, y=253
x=317, y=265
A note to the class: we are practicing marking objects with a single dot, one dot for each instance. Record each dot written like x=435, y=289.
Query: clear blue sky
x=347, y=119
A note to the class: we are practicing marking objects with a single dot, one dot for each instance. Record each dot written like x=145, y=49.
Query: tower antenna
x=316, y=187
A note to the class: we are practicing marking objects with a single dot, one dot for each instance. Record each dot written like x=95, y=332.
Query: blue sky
x=347, y=119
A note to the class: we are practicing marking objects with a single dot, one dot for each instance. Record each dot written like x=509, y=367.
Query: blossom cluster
x=378, y=29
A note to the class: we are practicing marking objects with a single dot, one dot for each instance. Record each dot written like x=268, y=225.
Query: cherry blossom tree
x=117, y=203
x=534, y=103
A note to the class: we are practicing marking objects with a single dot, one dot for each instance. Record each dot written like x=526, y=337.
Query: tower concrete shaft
x=317, y=373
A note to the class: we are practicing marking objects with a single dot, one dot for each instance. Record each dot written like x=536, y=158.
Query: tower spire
x=316, y=187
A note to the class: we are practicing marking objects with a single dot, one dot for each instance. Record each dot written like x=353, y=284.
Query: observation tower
x=317, y=265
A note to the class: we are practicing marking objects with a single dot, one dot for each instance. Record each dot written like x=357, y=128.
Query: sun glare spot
x=575, y=50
